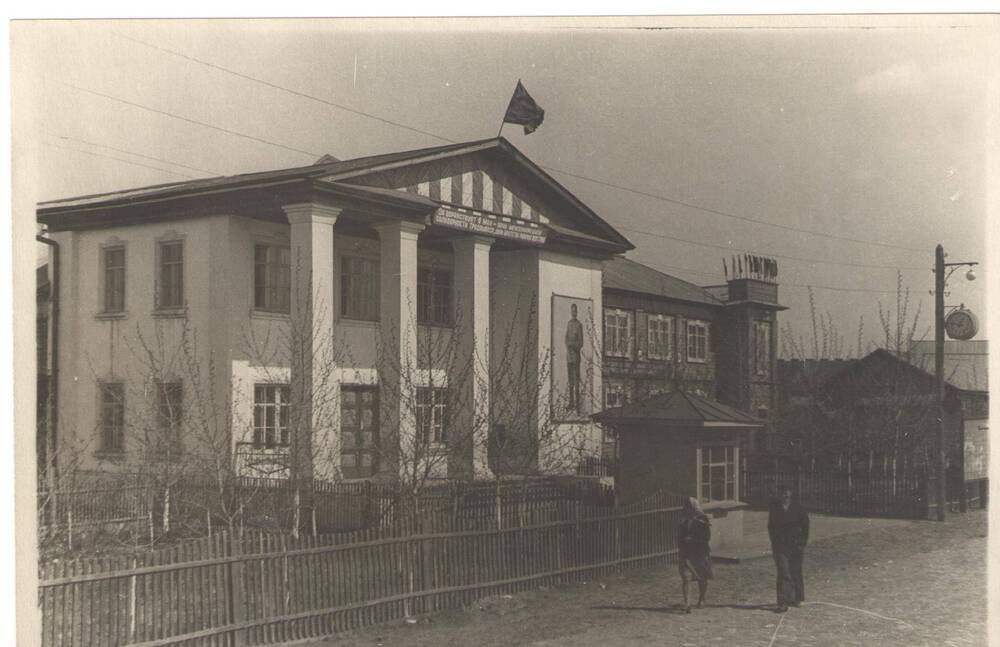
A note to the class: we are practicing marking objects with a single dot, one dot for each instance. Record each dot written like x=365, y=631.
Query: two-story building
x=664, y=334
x=432, y=310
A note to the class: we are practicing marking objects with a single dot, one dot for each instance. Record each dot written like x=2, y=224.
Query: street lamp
x=940, y=281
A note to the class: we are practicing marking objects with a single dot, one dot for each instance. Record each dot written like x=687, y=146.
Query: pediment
x=470, y=181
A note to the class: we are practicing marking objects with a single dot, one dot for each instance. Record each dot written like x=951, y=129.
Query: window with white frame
x=718, y=474
x=112, y=417
x=762, y=347
x=359, y=288
x=697, y=341
x=271, y=415
x=618, y=327
x=432, y=415
x=114, y=279
x=171, y=288
x=272, y=278
x=617, y=393
x=433, y=296
x=660, y=329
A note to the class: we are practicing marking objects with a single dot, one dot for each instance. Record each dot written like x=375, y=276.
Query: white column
x=398, y=345
x=315, y=440
x=472, y=302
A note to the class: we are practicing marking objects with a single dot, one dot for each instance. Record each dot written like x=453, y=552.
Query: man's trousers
x=790, y=588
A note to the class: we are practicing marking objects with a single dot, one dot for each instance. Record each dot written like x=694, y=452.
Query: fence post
x=237, y=594
x=166, y=509
x=366, y=514
x=131, y=603
x=295, y=516
x=617, y=546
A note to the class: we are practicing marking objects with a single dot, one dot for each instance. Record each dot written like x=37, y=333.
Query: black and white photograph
x=550, y=331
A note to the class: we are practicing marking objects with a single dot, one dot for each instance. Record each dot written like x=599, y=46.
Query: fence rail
x=839, y=493
x=264, y=588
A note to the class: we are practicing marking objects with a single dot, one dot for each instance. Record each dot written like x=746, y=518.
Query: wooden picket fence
x=835, y=493
x=260, y=589
x=190, y=507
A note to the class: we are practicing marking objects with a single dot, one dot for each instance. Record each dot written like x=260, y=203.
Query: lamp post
x=940, y=281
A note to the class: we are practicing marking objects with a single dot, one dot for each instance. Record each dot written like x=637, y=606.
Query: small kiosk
x=685, y=444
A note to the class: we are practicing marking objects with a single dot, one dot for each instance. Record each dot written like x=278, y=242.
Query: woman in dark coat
x=693, y=533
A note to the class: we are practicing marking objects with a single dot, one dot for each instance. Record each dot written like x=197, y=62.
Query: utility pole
x=942, y=489
x=940, y=282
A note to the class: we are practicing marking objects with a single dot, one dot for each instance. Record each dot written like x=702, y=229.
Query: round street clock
x=961, y=324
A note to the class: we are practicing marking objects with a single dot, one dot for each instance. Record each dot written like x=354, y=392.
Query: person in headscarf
x=693, y=533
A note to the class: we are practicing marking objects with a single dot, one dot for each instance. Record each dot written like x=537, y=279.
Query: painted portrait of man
x=571, y=358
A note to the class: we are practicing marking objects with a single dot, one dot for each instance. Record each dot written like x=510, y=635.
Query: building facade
x=429, y=313
x=663, y=334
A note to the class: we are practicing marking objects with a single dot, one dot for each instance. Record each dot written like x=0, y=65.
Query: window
x=359, y=294
x=617, y=393
x=434, y=297
x=359, y=430
x=660, y=337
x=271, y=414
x=168, y=416
x=432, y=415
x=272, y=278
x=114, y=279
x=762, y=347
x=718, y=473
x=171, y=293
x=617, y=333
x=112, y=417
x=697, y=341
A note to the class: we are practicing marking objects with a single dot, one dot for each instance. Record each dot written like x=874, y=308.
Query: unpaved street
x=908, y=583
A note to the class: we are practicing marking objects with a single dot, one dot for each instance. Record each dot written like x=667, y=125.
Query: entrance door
x=359, y=431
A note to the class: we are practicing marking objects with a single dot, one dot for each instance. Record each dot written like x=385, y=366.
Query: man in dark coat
x=788, y=526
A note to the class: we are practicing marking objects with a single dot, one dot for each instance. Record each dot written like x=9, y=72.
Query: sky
x=845, y=152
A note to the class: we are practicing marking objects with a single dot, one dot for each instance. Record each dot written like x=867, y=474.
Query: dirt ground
x=920, y=583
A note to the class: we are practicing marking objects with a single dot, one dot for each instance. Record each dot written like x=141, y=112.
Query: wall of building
x=238, y=346
x=134, y=347
x=563, y=444
x=660, y=460
x=655, y=460
x=514, y=357
x=645, y=376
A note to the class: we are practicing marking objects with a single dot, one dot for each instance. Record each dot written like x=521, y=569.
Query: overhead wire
x=188, y=119
x=120, y=159
x=282, y=88
x=673, y=268
x=557, y=170
x=648, y=194
x=128, y=152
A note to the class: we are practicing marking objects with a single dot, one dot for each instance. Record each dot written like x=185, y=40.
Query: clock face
x=961, y=325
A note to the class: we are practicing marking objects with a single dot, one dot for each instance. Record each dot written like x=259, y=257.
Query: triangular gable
x=489, y=176
x=471, y=181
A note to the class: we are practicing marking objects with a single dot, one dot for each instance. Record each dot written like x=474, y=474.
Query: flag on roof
x=523, y=110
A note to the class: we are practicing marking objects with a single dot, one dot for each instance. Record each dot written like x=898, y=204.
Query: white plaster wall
x=561, y=274
x=94, y=348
